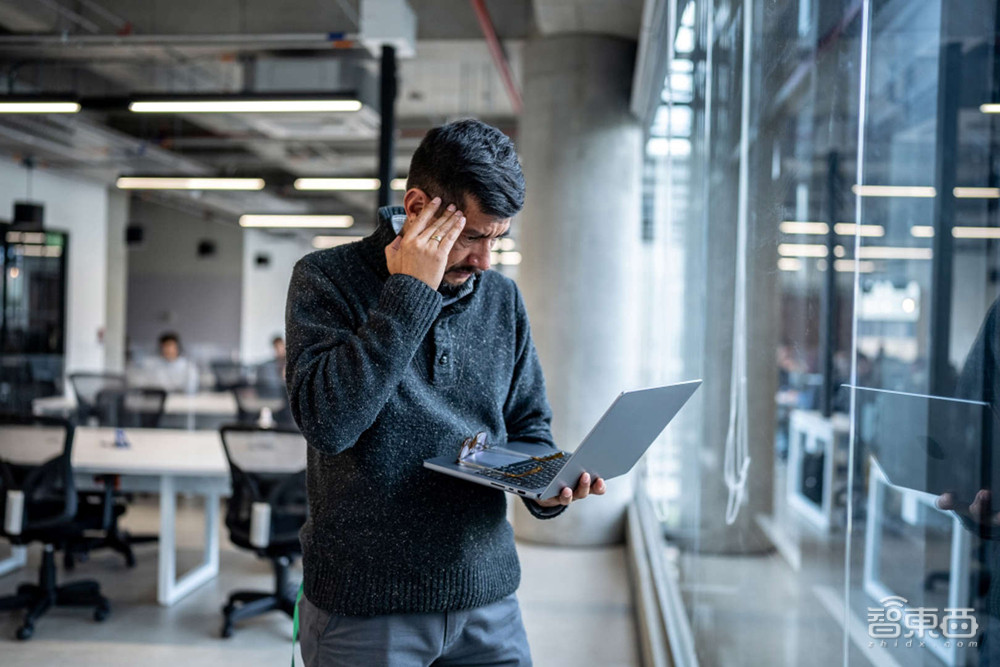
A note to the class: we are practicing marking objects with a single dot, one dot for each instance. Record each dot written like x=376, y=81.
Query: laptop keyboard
x=529, y=474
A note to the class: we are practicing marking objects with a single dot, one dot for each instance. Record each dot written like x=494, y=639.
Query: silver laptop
x=931, y=444
x=613, y=446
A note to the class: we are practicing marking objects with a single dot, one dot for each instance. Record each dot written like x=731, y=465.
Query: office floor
x=576, y=606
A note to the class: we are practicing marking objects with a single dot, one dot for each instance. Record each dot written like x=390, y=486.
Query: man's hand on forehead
x=422, y=249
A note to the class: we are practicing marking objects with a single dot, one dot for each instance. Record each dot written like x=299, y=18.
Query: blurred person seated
x=272, y=372
x=169, y=370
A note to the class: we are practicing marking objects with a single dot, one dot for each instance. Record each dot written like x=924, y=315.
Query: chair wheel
x=227, y=630
x=102, y=612
x=25, y=631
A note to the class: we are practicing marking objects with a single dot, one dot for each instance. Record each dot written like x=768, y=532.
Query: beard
x=449, y=290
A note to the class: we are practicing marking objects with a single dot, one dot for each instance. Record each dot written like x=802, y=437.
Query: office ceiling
x=108, y=48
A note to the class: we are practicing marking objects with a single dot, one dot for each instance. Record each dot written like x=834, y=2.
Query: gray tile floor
x=576, y=606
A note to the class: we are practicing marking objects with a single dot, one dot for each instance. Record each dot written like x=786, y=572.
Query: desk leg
x=170, y=589
x=17, y=559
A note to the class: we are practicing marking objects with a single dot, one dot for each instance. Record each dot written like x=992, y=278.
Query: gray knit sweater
x=381, y=375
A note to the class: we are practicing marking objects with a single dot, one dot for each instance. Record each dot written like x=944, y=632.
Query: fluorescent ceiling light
x=893, y=191
x=298, y=221
x=796, y=227
x=976, y=232
x=927, y=232
x=321, y=242
x=821, y=228
x=506, y=244
x=336, y=183
x=184, y=183
x=789, y=264
x=851, y=229
x=888, y=252
x=244, y=106
x=801, y=250
x=39, y=107
x=989, y=108
x=397, y=184
x=977, y=193
x=848, y=266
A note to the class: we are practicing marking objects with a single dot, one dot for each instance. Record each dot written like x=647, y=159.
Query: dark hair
x=469, y=158
x=168, y=336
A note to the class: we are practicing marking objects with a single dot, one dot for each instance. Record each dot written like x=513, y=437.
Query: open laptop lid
x=624, y=433
x=931, y=444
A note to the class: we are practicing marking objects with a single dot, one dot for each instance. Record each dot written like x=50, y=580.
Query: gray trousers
x=490, y=635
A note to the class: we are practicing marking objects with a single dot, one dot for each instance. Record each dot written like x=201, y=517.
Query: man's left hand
x=584, y=488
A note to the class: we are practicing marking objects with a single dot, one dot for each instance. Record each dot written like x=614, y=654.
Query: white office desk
x=201, y=404
x=168, y=462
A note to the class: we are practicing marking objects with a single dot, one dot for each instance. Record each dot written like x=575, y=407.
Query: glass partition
x=923, y=557
x=821, y=226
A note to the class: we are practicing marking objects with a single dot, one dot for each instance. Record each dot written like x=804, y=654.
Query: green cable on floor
x=295, y=621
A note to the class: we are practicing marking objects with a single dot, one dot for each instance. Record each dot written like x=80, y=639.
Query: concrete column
x=116, y=299
x=579, y=237
x=704, y=494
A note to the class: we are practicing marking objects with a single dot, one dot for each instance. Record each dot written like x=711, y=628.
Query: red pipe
x=496, y=50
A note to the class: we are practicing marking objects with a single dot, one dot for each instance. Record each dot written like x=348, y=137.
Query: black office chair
x=87, y=387
x=130, y=407
x=251, y=400
x=228, y=374
x=39, y=502
x=271, y=373
x=266, y=510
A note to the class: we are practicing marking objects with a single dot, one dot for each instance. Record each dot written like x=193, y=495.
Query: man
x=979, y=380
x=278, y=343
x=170, y=370
x=399, y=347
x=272, y=372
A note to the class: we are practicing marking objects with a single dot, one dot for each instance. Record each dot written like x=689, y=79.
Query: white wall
x=171, y=288
x=265, y=289
x=79, y=207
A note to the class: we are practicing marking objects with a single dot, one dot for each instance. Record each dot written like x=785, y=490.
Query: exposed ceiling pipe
x=227, y=41
x=496, y=50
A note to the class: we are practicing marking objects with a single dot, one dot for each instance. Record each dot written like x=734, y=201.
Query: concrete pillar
x=579, y=236
x=710, y=247
x=116, y=299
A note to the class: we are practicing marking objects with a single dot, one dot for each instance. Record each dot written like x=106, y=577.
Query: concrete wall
x=79, y=207
x=171, y=288
x=265, y=289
